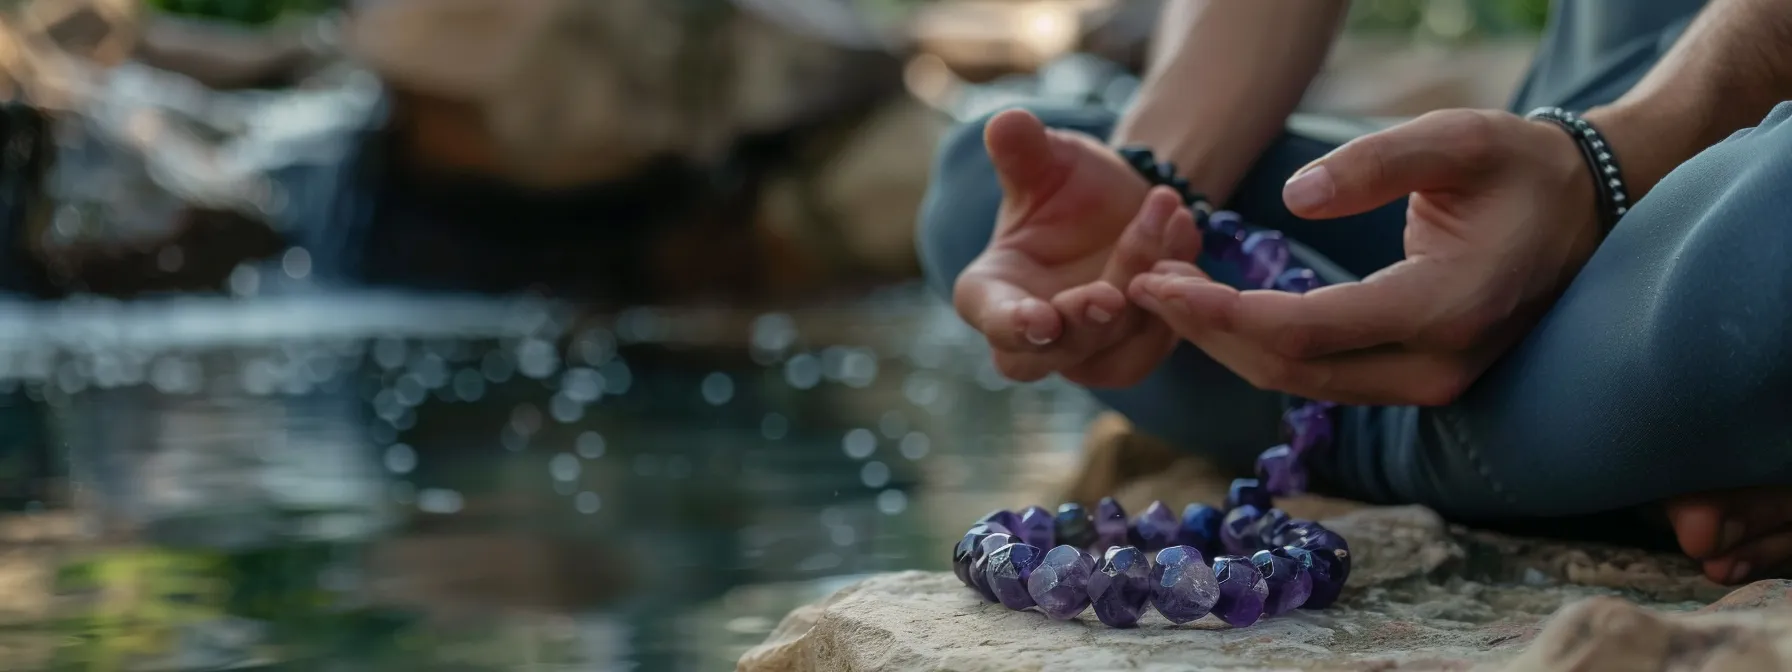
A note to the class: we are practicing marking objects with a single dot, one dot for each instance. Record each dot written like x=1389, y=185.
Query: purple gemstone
x=1156, y=528
x=1325, y=587
x=1281, y=472
x=1060, y=584
x=1200, y=528
x=1298, y=281
x=1289, y=585
x=1269, y=527
x=1247, y=492
x=1331, y=560
x=1308, y=427
x=1120, y=585
x=969, y=547
x=1008, y=569
x=1073, y=526
x=1266, y=256
x=1036, y=527
x=1182, y=585
x=1237, y=531
x=1225, y=222
x=979, y=577
x=1006, y=518
x=1242, y=591
x=1110, y=525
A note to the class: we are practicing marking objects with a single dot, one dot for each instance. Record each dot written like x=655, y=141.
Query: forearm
x=1733, y=65
x=1224, y=77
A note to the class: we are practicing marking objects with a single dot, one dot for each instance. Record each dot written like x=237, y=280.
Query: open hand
x=1074, y=228
x=1501, y=218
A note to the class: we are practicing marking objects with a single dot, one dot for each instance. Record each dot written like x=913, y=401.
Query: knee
x=959, y=212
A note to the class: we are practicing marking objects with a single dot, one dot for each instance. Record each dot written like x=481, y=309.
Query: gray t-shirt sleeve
x=1595, y=50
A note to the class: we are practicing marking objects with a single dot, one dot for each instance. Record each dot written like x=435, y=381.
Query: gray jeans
x=1665, y=369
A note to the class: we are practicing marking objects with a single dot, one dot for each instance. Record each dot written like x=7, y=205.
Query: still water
x=376, y=482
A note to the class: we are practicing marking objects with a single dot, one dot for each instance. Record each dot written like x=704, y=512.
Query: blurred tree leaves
x=1450, y=19
x=250, y=12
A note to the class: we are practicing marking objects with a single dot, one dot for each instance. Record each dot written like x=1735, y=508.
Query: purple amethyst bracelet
x=1266, y=262
x=1162, y=561
x=1263, y=562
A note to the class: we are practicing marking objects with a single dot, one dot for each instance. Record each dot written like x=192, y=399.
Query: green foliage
x=1475, y=18
x=249, y=12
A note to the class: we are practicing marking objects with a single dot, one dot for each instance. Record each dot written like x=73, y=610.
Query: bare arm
x=1224, y=77
x=1730, y=68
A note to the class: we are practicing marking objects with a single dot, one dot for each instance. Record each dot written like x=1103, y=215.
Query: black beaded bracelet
x=1163, y=173
x=1608, y=180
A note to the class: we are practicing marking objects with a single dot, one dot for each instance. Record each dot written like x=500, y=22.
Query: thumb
x=1437, y=151
x=1021, y=149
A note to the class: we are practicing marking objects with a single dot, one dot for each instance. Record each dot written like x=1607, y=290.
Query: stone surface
x=1422, y=596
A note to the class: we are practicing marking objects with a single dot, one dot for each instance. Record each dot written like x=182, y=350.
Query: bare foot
x=1736, y=534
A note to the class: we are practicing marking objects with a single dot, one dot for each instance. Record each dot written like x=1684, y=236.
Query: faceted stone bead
x=1307, y=427
x=1269, y=527
x=1182, y=585
x=1200, y=528
x=1238, y=530
x=1225, y=222
x=1006, y=518
x=1265, y=257
x=979, y=577
x=1073, y=526
x=1288, y=583
x=1242, y=591
x=1281, y=472
x=1110, y=525
x=1298, y=281
x=969, y=547
x=1009, y=567
x=1120, y=585
x=1036, y=527
x=1155, y=529
x=1247, y=491
x=1060, y=584
x=1331, y=560
x=1325, y=587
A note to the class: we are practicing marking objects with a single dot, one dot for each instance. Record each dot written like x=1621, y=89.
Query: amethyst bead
x=1266, y=256
x=1307, y=426
x=1036, y=527
x=1298, y=281
x=979, y=577
x=1282, y=472
x=1110, y=525
x=1242, y=591
x=1120, y=585
x=1155, y=529
x=1008, y=569
x=1073, y=526
x=1246, y=492
x=1006, y=518
x=1325, y=587
x=1060, y=584
x=1238, y=530
x=1288, y=583
x=971, y=546
x=1182, y=585
x=1200, y=528
x=1331, y=560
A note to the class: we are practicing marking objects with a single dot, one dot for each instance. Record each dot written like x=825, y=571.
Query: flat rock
x=1426, y=596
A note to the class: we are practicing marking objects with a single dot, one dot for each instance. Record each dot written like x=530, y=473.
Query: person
x=1502, y=357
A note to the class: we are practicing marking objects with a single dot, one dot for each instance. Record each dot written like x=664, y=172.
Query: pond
x=394, y=482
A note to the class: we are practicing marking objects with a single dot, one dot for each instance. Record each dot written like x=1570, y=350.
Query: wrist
x=1651, y=137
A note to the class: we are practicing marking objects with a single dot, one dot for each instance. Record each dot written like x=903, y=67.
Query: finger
x=1394, y=305
x=1770, y=552
x=1435, y=151
x=1020, y=147
x=1126, y=364
x=1179, y=269
x=1092, y=308
x=1387, y=376
x=1714, y=524
x=1008, y=316
x=1141, y=245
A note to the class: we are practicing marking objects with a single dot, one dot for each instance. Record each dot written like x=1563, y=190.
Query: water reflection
x=477, y=486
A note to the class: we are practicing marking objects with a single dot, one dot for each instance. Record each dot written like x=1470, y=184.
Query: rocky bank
x=1430, y=597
